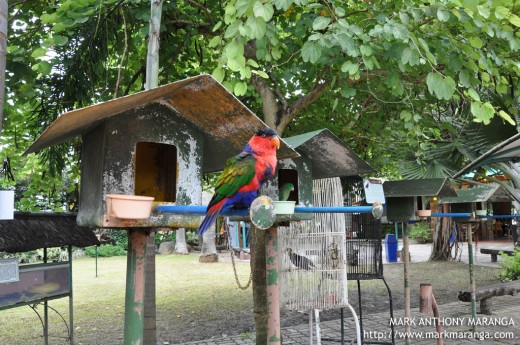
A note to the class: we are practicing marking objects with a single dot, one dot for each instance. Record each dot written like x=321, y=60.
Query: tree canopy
x=394, y=79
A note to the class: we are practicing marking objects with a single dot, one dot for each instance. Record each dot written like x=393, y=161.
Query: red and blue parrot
x=238, y=185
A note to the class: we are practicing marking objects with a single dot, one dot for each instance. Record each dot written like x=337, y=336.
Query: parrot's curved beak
x=275, y=142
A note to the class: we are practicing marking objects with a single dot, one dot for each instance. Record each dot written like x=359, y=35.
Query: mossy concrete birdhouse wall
x=155, y=143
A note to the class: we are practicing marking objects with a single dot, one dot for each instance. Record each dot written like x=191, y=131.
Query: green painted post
x=472, y=277
x=135, y=282
x=273, y=284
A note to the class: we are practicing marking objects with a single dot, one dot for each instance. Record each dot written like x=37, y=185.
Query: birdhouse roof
x=30, y=231
x=440, y=187
x=201, y=100
x=329, y=154
x=491, y=192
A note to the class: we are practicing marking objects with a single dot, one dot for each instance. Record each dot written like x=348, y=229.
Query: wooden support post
x=406, y=264
x=273, y=291
x=472, y=280
x=135, y=284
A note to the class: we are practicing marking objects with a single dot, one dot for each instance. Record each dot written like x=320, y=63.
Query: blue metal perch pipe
x=202, y=210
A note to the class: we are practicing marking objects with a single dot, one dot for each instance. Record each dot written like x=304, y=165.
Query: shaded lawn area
x=199, y=301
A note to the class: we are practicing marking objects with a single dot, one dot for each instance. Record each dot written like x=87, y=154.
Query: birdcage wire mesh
x=313, y=258
x=363, y=233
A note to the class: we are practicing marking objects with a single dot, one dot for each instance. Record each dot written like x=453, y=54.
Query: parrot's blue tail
x=211, y=217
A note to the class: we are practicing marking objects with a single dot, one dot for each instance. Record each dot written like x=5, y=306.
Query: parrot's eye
x=264, y=135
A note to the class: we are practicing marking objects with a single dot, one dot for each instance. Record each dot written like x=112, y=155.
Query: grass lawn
x=185, y=289
x=197, y=301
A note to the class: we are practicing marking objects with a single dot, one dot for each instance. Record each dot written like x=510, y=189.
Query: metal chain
x=240, y=286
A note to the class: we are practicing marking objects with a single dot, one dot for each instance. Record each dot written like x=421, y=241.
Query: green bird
x=285, y=190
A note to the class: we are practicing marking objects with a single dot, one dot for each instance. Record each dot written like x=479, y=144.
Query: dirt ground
x=447, y=278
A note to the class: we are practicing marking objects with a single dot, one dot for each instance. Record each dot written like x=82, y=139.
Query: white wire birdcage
x=313, y=258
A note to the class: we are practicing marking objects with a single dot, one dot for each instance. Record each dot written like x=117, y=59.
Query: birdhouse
x=322, y=155
x=156, y=143
x=405, y=197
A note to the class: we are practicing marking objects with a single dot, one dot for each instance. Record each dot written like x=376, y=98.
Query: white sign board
x=374, y=190
x=9, y=271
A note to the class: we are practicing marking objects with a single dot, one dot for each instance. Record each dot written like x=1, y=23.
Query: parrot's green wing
x=239, y=171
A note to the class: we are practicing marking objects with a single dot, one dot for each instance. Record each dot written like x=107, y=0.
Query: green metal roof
x=440, y=187
x=330, y=156
x=492, y=192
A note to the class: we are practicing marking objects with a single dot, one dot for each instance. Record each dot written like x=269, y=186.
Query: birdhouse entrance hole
x=289, y=176
x=156, y=171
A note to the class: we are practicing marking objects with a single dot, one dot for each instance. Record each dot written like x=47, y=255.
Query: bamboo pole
x=152, y=60
x=152, y=81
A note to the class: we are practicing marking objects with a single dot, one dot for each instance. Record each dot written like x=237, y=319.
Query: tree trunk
x=258, y=265
x=3, y=50
x=441, y=248
x=181, y=247
x=208, y=250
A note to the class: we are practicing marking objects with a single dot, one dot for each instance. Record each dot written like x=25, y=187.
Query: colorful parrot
x=238, y=185
x=284, y=191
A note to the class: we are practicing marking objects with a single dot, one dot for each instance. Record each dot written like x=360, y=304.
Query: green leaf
x=365, y=50
x=515, y=20
x=483, y=11
x=217, y=26
x=350, y=68
x=233, y=49
x=320, y=23
x=263, y=10
x=219, y=74
x=48, y=18
x=501, y=12
x=348, y=92
x=482, y=112
x=258, y=26
x=405, y=115
x=439, y=86
x=261, y=73
x=43, y=67
x=506, y=117
x=443, y=15
x=215, y=41
x=475, y=42
x=60, y=40
x=311, y=52
x=473, y=94
x=335, y=104
x=283, y=4
x=59, y=27
x=38, y=52
x=240, y=89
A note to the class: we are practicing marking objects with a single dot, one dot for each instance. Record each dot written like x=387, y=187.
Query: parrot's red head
x=265, y=141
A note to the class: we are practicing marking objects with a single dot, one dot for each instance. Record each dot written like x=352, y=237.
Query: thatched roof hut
x=30, y=231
